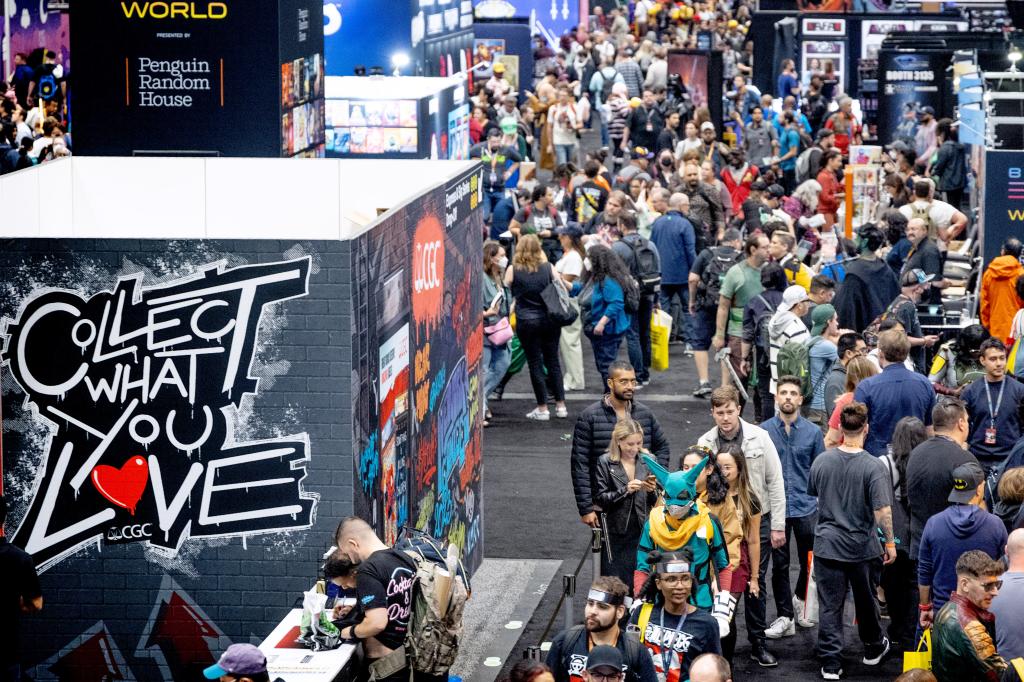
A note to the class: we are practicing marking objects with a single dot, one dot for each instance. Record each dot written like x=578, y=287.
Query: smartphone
x=802, y=249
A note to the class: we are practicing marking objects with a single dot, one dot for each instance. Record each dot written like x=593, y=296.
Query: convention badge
x=650, y=127
x=990, y=436
x=494, y=178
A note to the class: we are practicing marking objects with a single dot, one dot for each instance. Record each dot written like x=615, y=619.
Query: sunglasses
x=992, y=586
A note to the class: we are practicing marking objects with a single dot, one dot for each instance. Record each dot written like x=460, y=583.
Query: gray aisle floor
x=529, y=513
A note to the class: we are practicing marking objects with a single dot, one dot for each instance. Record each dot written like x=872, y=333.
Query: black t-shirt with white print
x=385, y=581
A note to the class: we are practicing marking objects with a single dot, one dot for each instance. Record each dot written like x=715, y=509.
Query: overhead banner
x=222, y=78
x=907, y=82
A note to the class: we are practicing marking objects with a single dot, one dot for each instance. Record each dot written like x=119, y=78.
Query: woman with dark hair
x=673, y=629
x=894, y=192
x=540, y=217
x=756, y=314
x=713, y=490
x=899, y=579
x=496, y=303
x=831, y=189
x=570, y=268
x=608, y=321
x=530, y=670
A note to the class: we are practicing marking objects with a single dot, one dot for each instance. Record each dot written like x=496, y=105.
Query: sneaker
x=688, y=351
x=780, y=627
x=539, y=416
x=645, y=382
x=873, y=655
x=676, y=341
x=704, y=390
x=831, y=672
x=798, y=609
x=561, y=412
x=495, y=395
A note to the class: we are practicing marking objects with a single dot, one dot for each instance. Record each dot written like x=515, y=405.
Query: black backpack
x=762, y=335
x=607, y=84
x=646, y=265
x=710, y=287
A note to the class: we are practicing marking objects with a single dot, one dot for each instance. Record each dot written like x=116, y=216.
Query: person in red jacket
x=831, y=188
x=999, y=300
x=738, y=176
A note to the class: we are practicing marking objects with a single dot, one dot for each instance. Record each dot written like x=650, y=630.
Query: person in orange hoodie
x=999, y=300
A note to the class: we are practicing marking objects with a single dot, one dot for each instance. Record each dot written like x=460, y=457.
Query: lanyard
x=999, y=401
x=668, y=646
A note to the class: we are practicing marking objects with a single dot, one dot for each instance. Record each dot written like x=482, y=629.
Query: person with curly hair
x=673, y=629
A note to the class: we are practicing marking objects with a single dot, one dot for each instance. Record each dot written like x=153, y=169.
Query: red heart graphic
x=122, y=486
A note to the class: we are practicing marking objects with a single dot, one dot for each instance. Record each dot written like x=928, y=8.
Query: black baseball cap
x=966, y=479
x=776, y=191
x=572, y=230
x=604, y=656
x=925, y=110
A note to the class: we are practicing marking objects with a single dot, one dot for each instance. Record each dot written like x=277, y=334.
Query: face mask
x=503, y=262
x=679, y=511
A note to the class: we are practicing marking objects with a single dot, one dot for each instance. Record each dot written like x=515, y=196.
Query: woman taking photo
x=673, y=630
x=625, y=490
x=734, y=467
x=859, y=369
x=608, y=319
x=570, y=268
x=529, y=275
x=496, y=302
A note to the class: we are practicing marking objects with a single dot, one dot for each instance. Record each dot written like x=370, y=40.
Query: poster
x=692, y=69
x=908, y=81
x=487, y=51
x=815, y=54
x=549, y=18
x=1003, y=204
x=874, y=31
x=458, y=133
x=863, y=154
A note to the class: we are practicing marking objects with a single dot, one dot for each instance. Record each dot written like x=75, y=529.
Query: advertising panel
x=907, y=82
x=204, y=79
x=1003, y=205
x=550, y=18
x=874, y=31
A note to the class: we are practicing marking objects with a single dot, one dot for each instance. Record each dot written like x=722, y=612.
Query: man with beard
x=571, y=649
x=798, y=442
x=742, y=282
x=673, y=630
x=870, y=284
x=711, y=149
x=593, y=433
x=705, y=206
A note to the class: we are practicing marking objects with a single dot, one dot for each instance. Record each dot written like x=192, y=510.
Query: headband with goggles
x=604, y=597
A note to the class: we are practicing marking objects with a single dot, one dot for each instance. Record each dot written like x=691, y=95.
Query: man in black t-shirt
x=570, y=649
x=19, y=594
x=384, y=588
x=588, y=197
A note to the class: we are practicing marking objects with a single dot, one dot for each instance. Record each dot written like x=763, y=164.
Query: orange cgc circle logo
x=428, y=270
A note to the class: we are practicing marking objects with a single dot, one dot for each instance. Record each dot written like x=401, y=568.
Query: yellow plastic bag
x=661, y=329
x=920, y=659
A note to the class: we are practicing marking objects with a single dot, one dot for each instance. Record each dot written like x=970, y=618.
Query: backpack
x=631, y=296
x=803, y=165
x=646, y=265
x=607, y=84
x=795, y=358
x=762, y=335
x=710, y=286
x=925, y=215
x=872, y=330
x=432, y=642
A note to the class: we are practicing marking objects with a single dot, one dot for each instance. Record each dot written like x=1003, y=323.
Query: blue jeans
x=681, y=323
x=491, y=199
x=495, y=364
x=638, y=338
x=565, y=153
x=606, y=349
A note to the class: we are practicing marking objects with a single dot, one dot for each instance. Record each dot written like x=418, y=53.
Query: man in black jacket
x=870, y=285
x=593, y=433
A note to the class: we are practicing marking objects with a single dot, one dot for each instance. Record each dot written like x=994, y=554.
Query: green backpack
x=795, y=359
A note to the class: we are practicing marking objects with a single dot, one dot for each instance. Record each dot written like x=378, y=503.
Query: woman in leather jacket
x=625, y=491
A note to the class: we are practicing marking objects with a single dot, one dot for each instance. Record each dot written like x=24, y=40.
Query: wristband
x=924, y=608
x=890, y=544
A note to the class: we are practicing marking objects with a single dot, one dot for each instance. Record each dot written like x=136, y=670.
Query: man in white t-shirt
x=944, y=221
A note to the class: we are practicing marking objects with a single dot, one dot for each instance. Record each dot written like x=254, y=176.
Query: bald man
x=710, y=668
x=384, y=584
x=674, y=235
x=1008, y=605
x=924, y=254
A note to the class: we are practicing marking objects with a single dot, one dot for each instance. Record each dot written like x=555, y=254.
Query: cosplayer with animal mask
x=685, y=522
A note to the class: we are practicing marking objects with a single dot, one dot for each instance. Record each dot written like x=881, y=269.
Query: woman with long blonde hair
x=529, y=275
x=625, y=491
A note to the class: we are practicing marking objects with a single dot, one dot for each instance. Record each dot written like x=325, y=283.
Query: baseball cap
x=898, y=146
x=759, y=185
x=604, y=656
x=239, y=659
x=499, y=68
x=508, y=125
x=493, y=132
x=926, y=110
x=635, y=102
x=641, y=153
x=571, y=230
x=820, y=317
x=914, y=277
x=707, y=125
x=792, y=296
x=966, y=479
x=776, y=191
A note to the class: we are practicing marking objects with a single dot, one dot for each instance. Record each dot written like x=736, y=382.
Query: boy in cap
x=961, y=527
x=240, y=663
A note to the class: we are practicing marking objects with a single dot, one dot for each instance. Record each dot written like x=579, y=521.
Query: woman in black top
x=625, y=491
x=529, y=275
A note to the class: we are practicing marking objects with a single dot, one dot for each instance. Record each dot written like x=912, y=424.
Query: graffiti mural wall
x=166, y=412
x=416, y=406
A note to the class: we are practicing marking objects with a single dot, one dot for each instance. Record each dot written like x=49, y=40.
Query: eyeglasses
x=670, y=579
x=598, y=677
